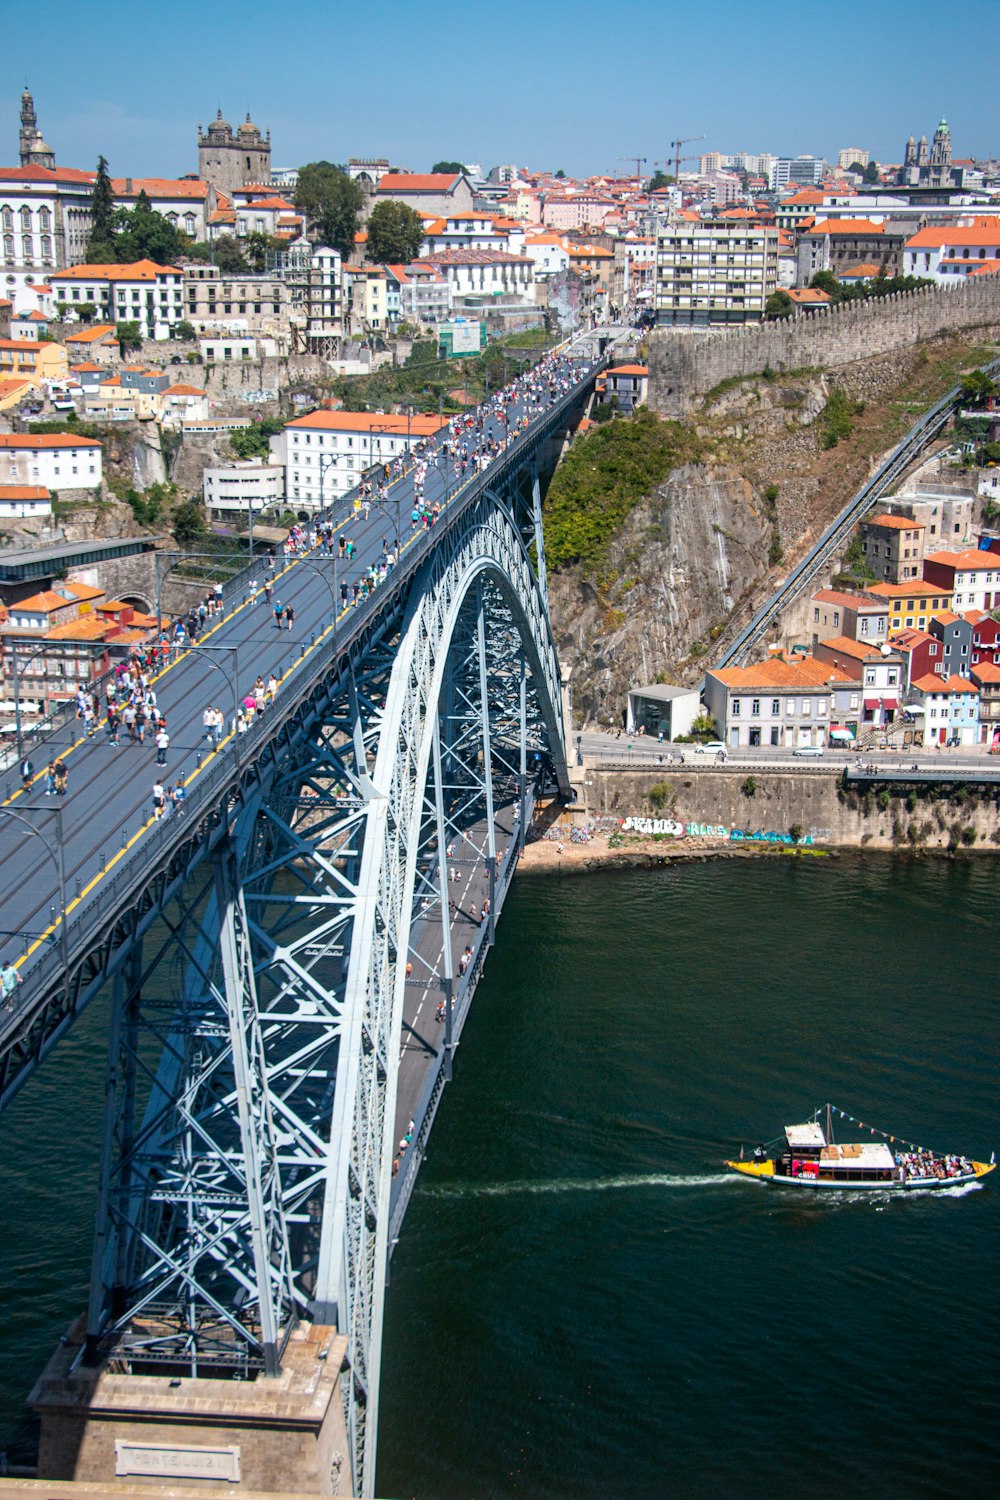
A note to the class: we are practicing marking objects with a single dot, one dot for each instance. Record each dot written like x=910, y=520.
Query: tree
x=228, y=255
x=825, y=281
x=189, y=523
x=871, y=172
x=331, y=202
x=977, y=387
x=128, y=336
x=778, y=305
x=448, y=166
x=102, y=211
x=184, y=330
x=859, y=167
x=257, y=247
x=141, y=233
x=395, y=234
x=560, y=174
x=660, y=180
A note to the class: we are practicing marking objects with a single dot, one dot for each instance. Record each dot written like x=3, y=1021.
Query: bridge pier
x=281, y=1435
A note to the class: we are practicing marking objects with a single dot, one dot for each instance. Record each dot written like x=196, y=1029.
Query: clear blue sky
x=542, y=83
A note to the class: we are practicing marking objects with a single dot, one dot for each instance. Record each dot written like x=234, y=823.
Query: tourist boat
x=812, y=1159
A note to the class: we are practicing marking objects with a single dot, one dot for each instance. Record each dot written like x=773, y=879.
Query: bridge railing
x=155, y=841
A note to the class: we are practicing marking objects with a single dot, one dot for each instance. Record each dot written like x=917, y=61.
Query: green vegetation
x=331, y=202
x=128, y=336
x=184, y=330
x=130, y=234
x=864, y=291
x=448, y=166
x=703, y=728
x=977, y=388
x=658, y=793
x=395, y=234
x=778, y=305
x=835, y=418
x=252, y=441
x=603, y=477
x=148, y=506
x=855, y=563
x=189, y=523
x=425, y=381
x=796, y=832
x=749, y=786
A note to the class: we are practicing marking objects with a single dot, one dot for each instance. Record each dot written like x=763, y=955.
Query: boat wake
x=580, y=1185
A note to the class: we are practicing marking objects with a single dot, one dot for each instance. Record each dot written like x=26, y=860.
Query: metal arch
x=351, y=1274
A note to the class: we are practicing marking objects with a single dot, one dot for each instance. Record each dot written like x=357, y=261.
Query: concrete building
x=850, y=155
x=972, y=578
x=185, y=202
x=714, y=273
x=419, y=292
x=25, y=502
x=625, y=384
x=786, y=703
x=45, y=220
x=441, y=194
x=881, y=671
x=240, y=304
x=32, y=362
x=230, y=160
x=862, y=617
x=911, y=605
x=893, y=547
x=986, y=677
x=366, y=304
x=842, y=245
x=59, y=461
x=949, y=253
x=661, y=710
x=242, y=487
x=141, y=292
x=326, y=452
x=486, y=273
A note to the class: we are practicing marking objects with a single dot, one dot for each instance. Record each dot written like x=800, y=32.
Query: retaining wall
x=683, y=365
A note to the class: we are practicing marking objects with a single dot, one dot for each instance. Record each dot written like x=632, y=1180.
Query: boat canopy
x=805, y=1137
x=862, y=1154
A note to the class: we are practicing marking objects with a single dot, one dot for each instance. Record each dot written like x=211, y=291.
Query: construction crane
x=675, y=146
x=640, y=161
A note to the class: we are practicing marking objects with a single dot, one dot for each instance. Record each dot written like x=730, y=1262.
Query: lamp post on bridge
x=40, y=650
x=177, y=558
x=231, y=676
x=57, y=855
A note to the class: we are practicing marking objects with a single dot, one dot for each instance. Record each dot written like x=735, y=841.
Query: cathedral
x=231, y=159
x=925, y=166
x=34, y=151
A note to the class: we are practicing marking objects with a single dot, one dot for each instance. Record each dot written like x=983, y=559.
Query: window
x=755, y=706
x=789, y=706
x=735, y=708
x=776, y=705
x=807, y=707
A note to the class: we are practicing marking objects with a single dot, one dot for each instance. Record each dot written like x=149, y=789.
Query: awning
x=890, y=702
x=841, y=734
x=872, y=703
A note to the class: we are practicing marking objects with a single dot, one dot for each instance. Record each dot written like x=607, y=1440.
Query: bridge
x=289, y=957
x=891, y=469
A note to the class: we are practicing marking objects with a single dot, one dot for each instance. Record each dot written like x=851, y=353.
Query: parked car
x=710, y=747
x=808, y=750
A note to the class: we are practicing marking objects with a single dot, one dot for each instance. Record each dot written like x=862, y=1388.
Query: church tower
x=34, y=151
x=941, y=146
x=231, y=159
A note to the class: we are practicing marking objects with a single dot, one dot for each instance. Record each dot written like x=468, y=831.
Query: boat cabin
x=809, y=1155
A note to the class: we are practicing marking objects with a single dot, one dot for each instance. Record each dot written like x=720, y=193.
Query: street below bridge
x=77, y=841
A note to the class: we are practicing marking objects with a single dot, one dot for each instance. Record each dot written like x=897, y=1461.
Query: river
x=582, y=1304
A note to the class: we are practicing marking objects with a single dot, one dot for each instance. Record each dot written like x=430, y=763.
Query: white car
x=808, y=750
x=710, y=747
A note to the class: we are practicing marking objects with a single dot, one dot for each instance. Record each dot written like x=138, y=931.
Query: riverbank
x=603, y=851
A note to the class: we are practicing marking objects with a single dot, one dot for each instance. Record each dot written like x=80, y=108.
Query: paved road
x=108, y=808
x=642, y=750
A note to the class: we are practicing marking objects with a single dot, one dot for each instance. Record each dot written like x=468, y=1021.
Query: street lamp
x=177, y=559
x=316, y=566
x=40, y=650
x=57, y=856
x=231, y=677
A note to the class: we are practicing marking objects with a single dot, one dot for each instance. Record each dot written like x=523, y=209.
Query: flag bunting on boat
x=895, y=1140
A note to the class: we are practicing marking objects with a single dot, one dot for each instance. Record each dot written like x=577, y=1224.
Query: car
x=710, y=747
x=808, y=750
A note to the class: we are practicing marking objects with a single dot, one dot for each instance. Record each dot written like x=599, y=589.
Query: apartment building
x=57, y=460
x=893, y=547
x=325, y=453
x=243, y=304
x=141, y=292
x=711, y=273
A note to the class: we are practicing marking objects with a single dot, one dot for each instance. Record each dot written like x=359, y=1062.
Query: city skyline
x=555, y=101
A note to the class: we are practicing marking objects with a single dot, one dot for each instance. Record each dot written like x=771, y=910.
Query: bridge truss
x=247, y=1164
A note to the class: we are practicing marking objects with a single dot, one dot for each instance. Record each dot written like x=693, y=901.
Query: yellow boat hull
x=763, y=1171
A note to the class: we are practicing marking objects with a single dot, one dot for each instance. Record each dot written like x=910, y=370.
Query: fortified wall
x=685, y=365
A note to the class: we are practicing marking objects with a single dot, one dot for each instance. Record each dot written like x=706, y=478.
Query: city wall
x=684, y=365
x=782, y=799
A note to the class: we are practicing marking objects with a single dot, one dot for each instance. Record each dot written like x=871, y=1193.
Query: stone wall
x=780, y=799
x=683, y=365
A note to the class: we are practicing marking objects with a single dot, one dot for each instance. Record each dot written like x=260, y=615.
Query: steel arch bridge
x=263, y=1050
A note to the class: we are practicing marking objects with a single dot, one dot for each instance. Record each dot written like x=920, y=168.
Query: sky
x=574, y=84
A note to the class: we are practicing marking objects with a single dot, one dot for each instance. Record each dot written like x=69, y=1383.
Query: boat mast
x=829, y=1126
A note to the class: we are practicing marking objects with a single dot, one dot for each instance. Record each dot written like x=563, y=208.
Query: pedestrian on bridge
x=9, y=981
x=277, y=612
x=27, y=772
x=289, y=615
x=162, y=745
x=61, y=779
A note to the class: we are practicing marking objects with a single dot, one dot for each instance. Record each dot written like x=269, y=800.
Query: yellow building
x=911, y=604
x=29, y=360
x=12, y=391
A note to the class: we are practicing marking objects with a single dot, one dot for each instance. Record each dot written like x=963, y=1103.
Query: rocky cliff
x=673, y=570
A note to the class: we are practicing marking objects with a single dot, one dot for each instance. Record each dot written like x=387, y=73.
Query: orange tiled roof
x=45, y=440
x=776, y=672
x=858, y=650
x=363, y=421
x=846, y=226
x=982, y=231
x=629, y=370
x=968, y=561
x=895, y=523
x=159, y=187
x=953, y=684
x=417, y=182
x=23, y=492
x=908, y=590
x=92, y=335
x=139, y=270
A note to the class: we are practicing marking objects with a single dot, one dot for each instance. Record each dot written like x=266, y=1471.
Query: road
x=600, y=748
x=107, y=811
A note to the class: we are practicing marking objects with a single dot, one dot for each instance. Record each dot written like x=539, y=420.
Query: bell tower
x=33, y=149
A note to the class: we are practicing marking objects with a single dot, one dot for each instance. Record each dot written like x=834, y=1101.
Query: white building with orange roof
x=141, y=292
x=972, y=577
x=780, y=702
x=25, y=502
x=94, y=341
x=185, y=202
x=326, y=452
x=548, y=254
x=45, y=219
x=950, y=709
x=949, y=253
x=57, y=460
x=440, y=193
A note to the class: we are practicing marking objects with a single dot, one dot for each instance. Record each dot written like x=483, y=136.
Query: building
x=419, y=293
x=485, y=273
x=326, y=452
x=238, y=304
x=850, y=155
x=45, y=219
x=25, y=502
x=971, y=577
x=714, y=273
x=787, y=703
x=920, y=653
x=986, y=677
x=57, y=460
x=185, y=202
x=911, y=604
x=366, y=301
x=946, y=514
x=31, y=361
x=662, y=710
x=950, y=709
x=626, y=384
x=808, y=170
x=893, y=547
x=242, y=487
x=439, y=194
x=930, y=167
x=141, y=292
x=230, y=160
x=881, y=671
x=96, y=343
x=949, y=253
x=840, y=245
x=862, y=617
